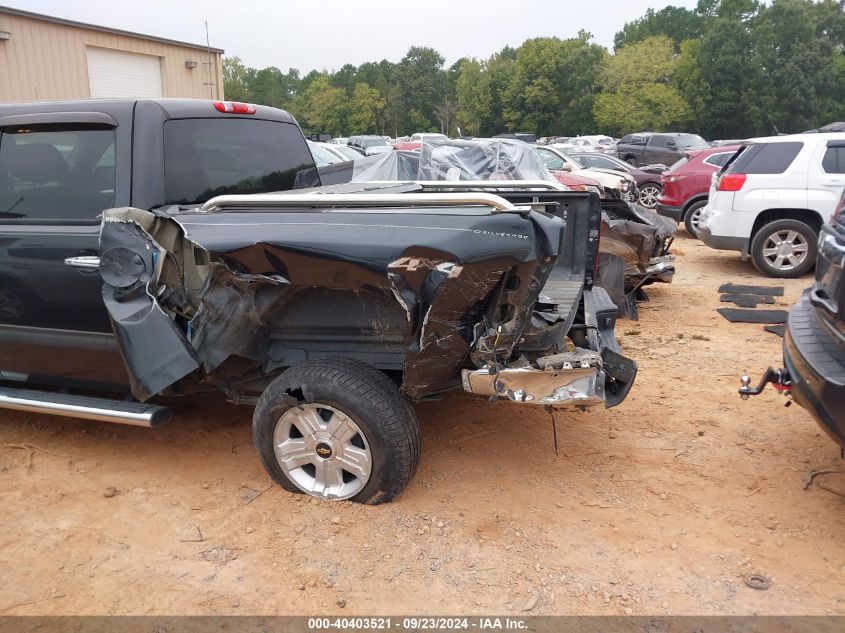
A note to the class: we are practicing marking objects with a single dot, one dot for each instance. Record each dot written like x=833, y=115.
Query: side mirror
x=567, y=167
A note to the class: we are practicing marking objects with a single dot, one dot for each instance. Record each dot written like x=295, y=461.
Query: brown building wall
x=45, y=61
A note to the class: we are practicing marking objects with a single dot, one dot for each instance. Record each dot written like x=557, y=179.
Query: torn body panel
x=424, y=292
x=634, y=252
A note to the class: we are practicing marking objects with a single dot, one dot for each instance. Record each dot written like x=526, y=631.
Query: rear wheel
x=784, y=248
x=337, y=429
x=692, y=218
x=649, y=193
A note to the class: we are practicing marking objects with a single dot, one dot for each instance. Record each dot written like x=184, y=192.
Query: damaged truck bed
x=449, y=290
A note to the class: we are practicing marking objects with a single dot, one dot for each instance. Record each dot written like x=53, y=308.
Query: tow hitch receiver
x=778, y=377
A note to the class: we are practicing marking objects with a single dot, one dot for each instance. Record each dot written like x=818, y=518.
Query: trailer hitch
x=778, y=377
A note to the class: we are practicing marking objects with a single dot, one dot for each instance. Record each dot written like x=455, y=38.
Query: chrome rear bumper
x=582, y=387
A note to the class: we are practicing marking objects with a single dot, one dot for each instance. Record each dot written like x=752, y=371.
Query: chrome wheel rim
x=649, y=195
x=785, y=250
x=11, y=305
x=322, y=451
x=695, y=219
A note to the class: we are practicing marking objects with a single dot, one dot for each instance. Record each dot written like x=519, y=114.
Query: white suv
x=771, y=199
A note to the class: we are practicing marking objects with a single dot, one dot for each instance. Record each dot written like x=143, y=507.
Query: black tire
x=691, y=214
x=374, y=403
x=758, y=245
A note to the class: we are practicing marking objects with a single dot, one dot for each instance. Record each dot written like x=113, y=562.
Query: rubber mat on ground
x=775, y=329
x=737, y=315
x=742, y=300
x=774, y=291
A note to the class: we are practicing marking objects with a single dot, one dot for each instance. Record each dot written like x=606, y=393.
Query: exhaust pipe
x=85, y=407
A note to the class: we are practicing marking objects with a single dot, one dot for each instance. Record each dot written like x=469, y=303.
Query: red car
x=687, y=184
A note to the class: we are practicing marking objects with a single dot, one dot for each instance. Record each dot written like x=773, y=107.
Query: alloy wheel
x=322, y=451
x=649, y=195
x=785, y=250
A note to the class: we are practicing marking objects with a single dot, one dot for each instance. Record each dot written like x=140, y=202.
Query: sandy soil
x=660, y=506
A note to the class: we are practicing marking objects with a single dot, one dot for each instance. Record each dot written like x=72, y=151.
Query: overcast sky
x=326, y=34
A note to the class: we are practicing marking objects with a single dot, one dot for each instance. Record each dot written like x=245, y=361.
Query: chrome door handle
x=84, y=261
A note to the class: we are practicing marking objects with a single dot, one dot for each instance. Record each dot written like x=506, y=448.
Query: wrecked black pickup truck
x=151, y=257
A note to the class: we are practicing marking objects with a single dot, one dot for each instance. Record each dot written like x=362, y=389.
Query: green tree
x=688, y=80
x=365, y=108
x=729, y=82
x=472, y=90
x=552, y=87
x=499, y=73
x=345, y=78
x=638, y=89
x=418, y=121
x=236, y=79
x=796, y=49
x=676, y=23
x=269, y=86
x=328, y=107
x=420, y=77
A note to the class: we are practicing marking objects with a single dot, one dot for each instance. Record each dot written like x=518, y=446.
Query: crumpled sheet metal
x=425, y=303
x=153, y=347
x=639, y=238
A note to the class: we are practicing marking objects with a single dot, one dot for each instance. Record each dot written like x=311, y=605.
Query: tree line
x=725, y=69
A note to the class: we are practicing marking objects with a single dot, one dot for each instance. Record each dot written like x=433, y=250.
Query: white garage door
x=114, y=73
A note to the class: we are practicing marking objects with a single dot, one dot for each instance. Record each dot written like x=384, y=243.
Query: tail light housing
x=731, y=182
x=234, y=107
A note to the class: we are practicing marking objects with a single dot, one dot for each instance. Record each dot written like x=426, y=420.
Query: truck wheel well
x=807, y=216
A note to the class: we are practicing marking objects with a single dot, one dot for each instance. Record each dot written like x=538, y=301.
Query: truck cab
x=63, y=163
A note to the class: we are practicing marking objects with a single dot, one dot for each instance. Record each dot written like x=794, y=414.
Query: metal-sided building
x=43, y=58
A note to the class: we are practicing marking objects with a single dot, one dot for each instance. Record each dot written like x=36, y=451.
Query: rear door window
x=204, y=158
x=834, y=160
x=718, y=160
x=766, y=158
x=59, y=173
